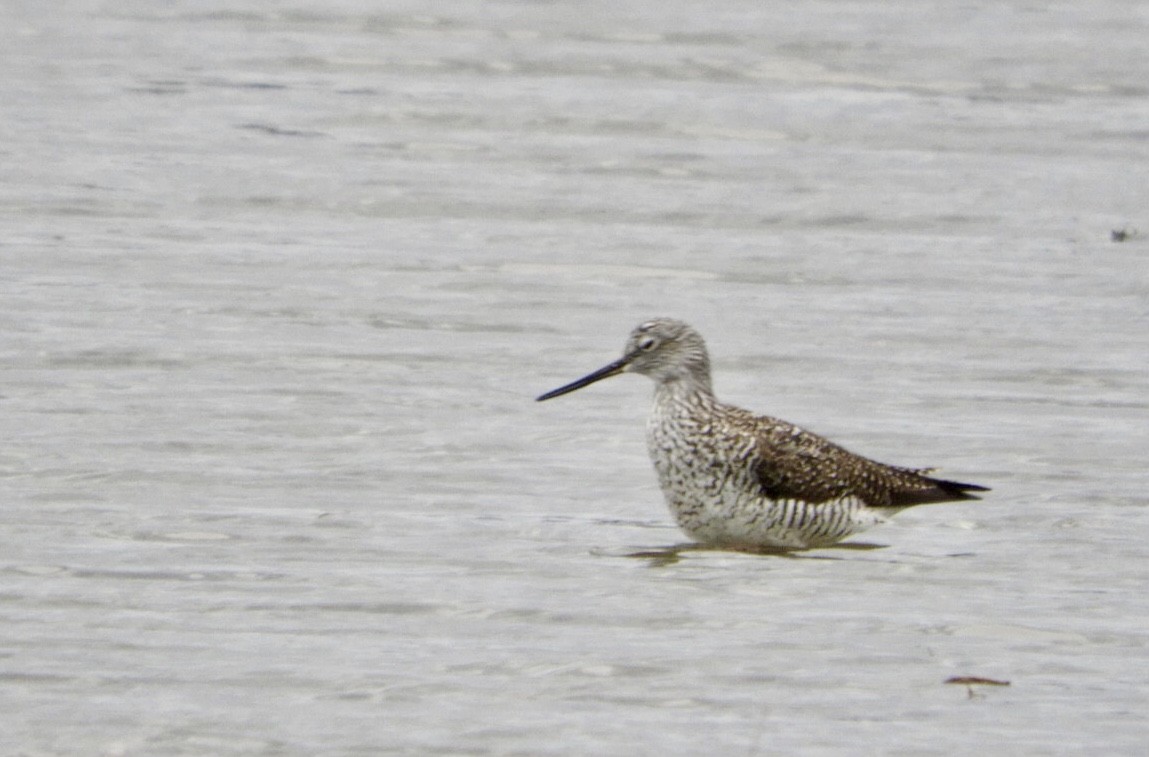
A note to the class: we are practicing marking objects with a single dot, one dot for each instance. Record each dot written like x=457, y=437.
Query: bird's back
x=792, y=463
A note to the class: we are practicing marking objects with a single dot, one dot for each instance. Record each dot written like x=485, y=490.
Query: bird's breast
x=695, y=456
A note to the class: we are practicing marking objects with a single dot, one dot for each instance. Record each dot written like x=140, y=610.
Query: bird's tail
x=937, y=490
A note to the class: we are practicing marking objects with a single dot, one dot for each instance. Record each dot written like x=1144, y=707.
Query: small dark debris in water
x=970, y=681
x=1122, y=235
x=276, y=131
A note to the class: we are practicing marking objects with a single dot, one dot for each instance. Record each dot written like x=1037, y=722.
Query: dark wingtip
x=941, y=491
x=958, y=490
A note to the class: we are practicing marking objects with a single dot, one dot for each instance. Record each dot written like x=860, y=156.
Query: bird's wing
x=791, y=463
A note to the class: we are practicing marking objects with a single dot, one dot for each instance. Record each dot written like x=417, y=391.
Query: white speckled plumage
x=737, y=480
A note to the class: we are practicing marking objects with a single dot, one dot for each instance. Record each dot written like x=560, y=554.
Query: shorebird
x=737, y=480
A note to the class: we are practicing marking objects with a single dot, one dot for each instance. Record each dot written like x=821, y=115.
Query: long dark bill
x=606, y=371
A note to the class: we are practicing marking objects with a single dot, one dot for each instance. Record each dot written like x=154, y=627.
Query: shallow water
x=280, y=287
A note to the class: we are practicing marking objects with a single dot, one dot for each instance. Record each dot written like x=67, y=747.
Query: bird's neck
x=683, y=392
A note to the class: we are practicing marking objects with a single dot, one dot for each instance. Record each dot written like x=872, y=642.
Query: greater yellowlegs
x=744, y=481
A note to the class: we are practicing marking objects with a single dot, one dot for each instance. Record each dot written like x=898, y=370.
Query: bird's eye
x=646, y=344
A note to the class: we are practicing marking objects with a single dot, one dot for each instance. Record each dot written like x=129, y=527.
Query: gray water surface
x=279, y=287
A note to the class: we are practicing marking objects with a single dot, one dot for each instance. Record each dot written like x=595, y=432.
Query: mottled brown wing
x=796, y=464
